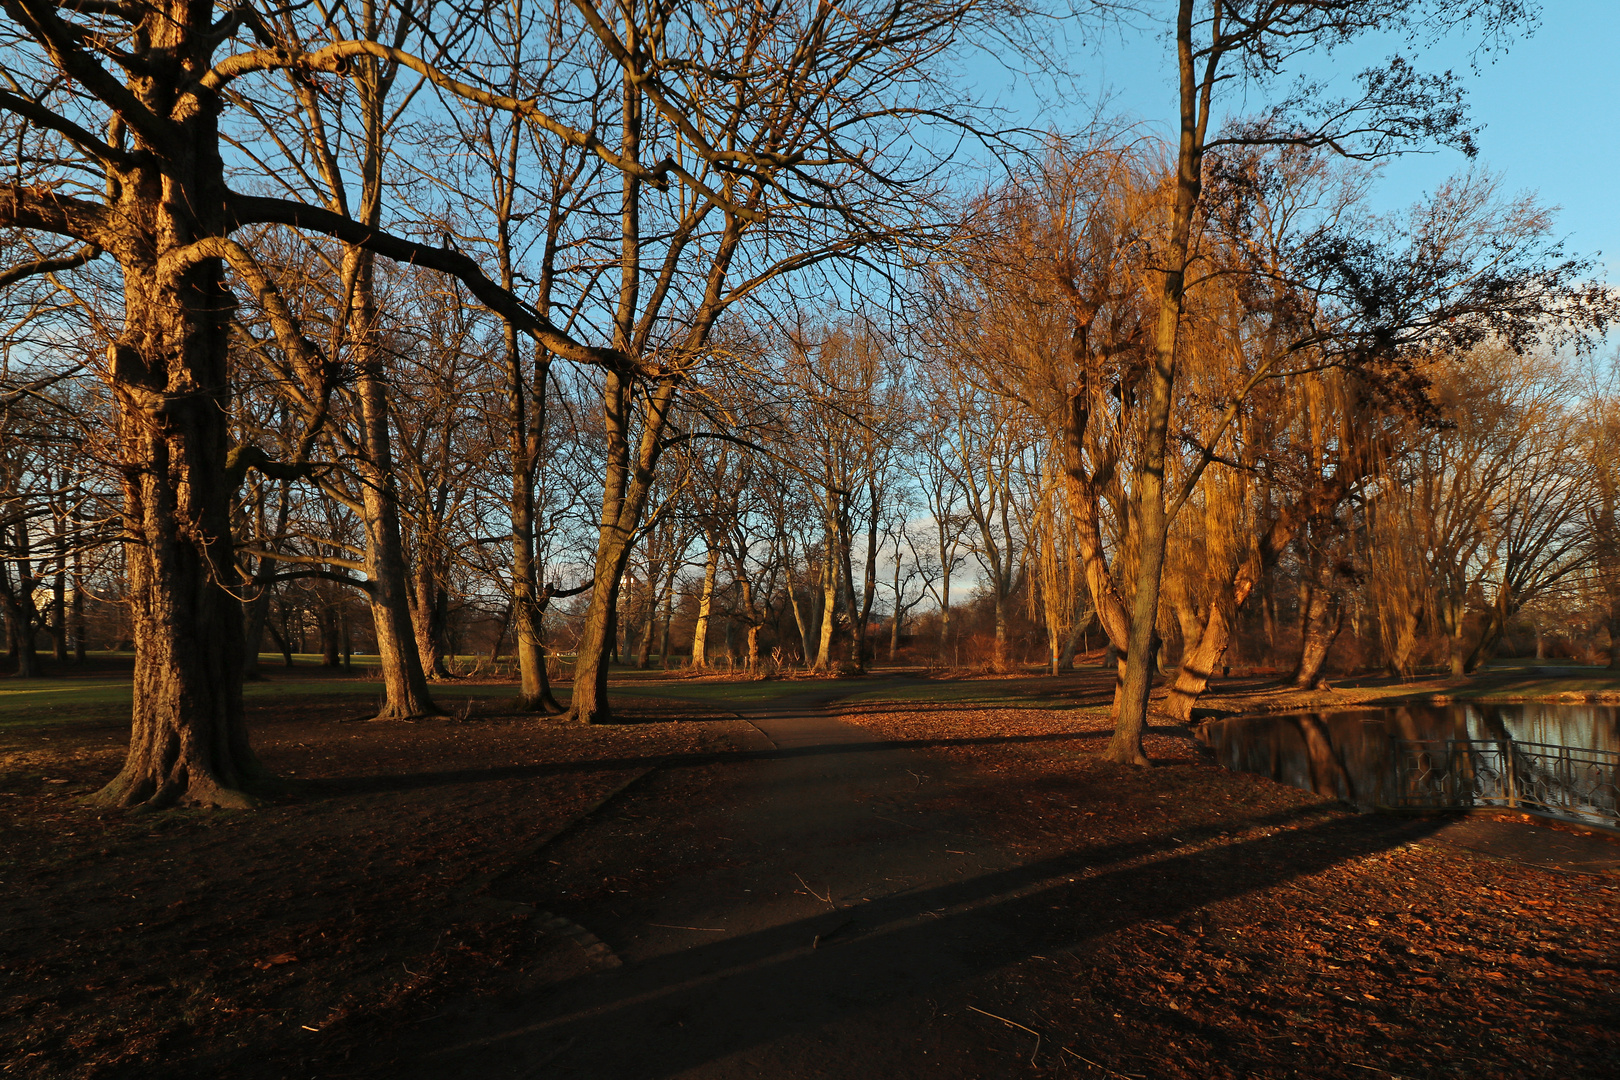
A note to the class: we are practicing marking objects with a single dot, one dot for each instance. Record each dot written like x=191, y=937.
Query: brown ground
x=212, y=943
x=1212, y=925
x=1282, y=934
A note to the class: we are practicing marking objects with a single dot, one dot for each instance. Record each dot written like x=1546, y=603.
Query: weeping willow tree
x=1058, y=598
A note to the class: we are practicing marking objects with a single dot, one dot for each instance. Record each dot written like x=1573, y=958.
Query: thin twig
x=710, y=929
x=1015, y=1024
x=824, y=899
x=1095, y=1065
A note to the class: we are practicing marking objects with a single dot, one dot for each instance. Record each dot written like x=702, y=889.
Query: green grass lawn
x=36, y=702
x=107, y=701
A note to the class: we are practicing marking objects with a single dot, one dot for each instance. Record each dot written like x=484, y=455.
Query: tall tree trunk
x=829, y=599
x=78, y=605
x=861, y=612
x=526, y=423
x=59, y=637
x=669, y=615
x=800, y=620
x=998, y=657
x=24, y=612
x=755, y=664
x=624, y=499
x=169, y=368
x=405, y=687
x=648, y=631
x=20, y=630
x=894, y=624
x=700, y=632
x=430, y=615
x=327, y=616
x=280, y=637
x=1141, y=650
x=1495, y=626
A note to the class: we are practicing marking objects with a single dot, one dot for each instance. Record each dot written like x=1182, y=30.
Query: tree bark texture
x=700, y=632
x=625, y=492
x=1130, y=718
x=188, y=742
x=405, y=686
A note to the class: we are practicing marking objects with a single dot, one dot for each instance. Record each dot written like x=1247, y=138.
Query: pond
x=1558, y=759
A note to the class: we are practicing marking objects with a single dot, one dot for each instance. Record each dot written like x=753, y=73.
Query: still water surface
x=1461, y=754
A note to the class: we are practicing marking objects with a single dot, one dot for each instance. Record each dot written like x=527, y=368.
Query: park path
x=861, y=925
x=826, y=948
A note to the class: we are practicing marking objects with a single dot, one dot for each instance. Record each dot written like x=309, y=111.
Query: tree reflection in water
x=1357, y=754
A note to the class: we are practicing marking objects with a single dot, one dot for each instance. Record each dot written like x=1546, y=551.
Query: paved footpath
x=849, y=936
x=849, y=914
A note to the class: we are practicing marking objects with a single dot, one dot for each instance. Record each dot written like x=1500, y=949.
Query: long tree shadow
x=342, y=786
x=704, y=1003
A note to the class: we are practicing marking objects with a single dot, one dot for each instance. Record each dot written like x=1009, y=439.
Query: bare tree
x=119, y=111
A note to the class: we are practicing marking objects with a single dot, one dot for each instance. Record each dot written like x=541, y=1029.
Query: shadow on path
x=900, y=912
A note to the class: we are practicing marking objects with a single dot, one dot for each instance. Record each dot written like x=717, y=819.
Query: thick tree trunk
x=1197, y=664
x=1076, y=635
x=1320, y=624
x=430, y=619
x=1457, y=654
x=169, y=369
x=589, y=703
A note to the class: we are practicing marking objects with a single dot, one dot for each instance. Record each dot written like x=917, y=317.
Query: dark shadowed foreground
x=933, y=886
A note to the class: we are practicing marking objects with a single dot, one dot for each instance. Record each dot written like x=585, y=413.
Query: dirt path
x=822, y=949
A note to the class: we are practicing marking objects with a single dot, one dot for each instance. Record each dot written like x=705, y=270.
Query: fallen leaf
x=275, y=961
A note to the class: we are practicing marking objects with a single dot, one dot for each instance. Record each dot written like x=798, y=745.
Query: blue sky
x=1549, y=106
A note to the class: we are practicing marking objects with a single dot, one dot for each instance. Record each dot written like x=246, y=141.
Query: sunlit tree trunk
x=700, y=632
x=405, y=687
x=830, y=564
